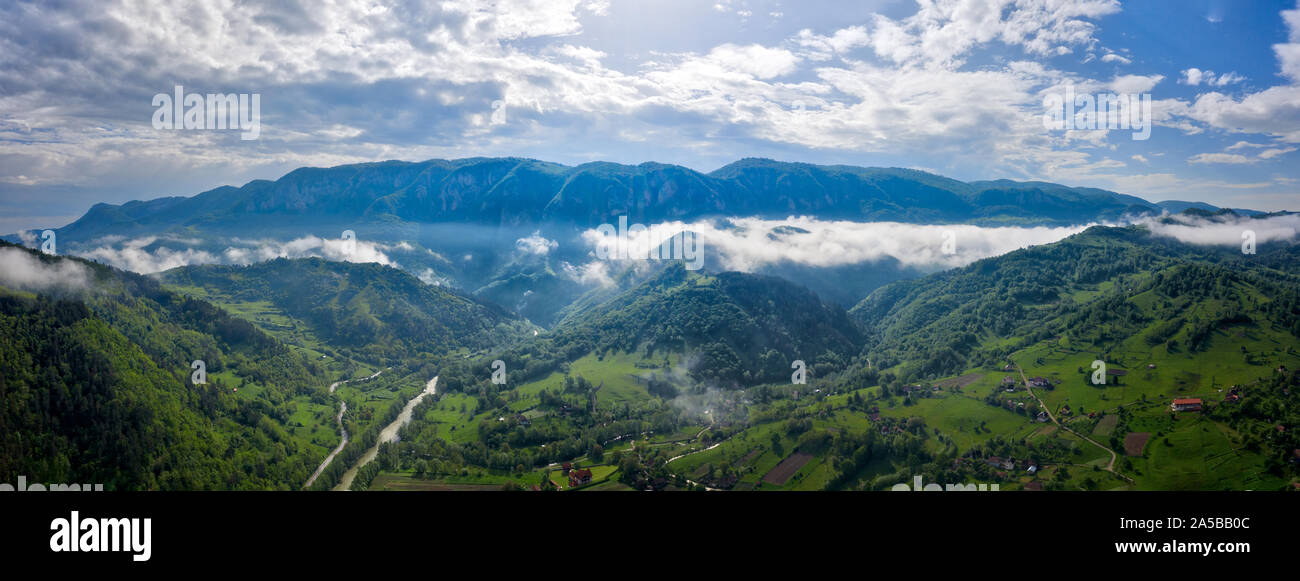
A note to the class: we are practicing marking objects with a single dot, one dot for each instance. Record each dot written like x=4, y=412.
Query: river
x=388, y=434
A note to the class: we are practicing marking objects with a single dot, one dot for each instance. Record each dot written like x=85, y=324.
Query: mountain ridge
x=517, y=191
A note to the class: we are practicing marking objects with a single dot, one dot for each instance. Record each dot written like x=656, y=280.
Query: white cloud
x=1265, y=153
x=755, y=60
x=1231, y=158
x=429, y=73
x=595, y=273
x=1194, y=77
x=133, y=255
x=1226, y=231
x=1274, y=111
x=1274, y=152
x=536, y=244
x=748, y=244
x=21, y=270
x=150, y=254
x=1135, y=84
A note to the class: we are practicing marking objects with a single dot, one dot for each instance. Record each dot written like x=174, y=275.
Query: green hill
x=368, y=311
x=95, y=387
x=730, y=329
x=1099, y=289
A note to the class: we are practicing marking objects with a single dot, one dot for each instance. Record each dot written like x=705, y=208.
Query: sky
x=955, y=87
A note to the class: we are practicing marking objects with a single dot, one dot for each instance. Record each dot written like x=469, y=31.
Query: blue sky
x=951, y=86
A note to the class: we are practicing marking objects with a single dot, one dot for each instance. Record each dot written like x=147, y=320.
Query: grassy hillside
x=368, y=311
x=95, y=386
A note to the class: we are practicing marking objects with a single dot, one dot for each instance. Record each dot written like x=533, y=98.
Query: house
x=1039, y=382
x=567, y=466
x=1034, y=486
x=523, y=420
x=1065, y=410
x=1187, y=405
x=1009, y=367
x=1009, y=464
x=579, y=477
x=1151, y=366
x=1042, y=416
x=994, y=461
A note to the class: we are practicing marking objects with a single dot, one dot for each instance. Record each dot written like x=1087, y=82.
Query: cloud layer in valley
x=153, y=254
x=1227, y=230
x=751, y=244
x=23, y=271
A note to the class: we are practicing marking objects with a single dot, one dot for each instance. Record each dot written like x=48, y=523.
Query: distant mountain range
x=459, y=222
x=518, y=192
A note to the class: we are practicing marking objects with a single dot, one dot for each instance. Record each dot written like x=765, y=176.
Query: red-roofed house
x=579, y=477
x=1187, y=405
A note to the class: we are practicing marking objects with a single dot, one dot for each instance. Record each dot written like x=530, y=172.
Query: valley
x=672, y=379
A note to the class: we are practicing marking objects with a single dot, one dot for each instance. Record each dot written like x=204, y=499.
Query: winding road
x=343, y=408
x=1110, y=467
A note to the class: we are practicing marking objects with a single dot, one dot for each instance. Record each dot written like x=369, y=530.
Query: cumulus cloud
x=535, y=244
x=596, y=273
x=1194, y=77
x=316, y=65
x=356, y=80
x=21, y=270
x=1273, y=111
